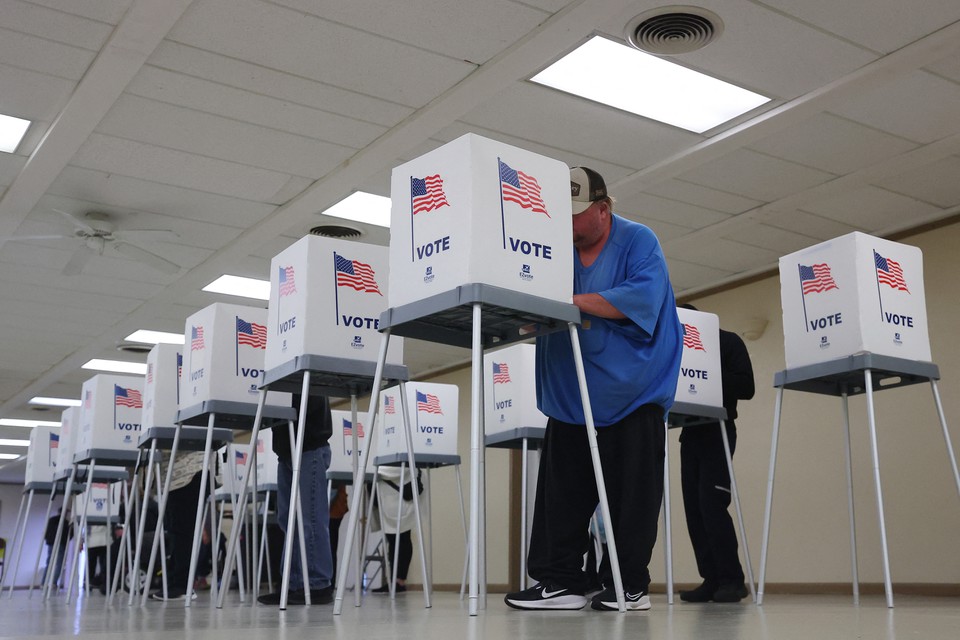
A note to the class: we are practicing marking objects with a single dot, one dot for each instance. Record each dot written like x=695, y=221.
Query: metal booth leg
x=769, y=505
x=19, y=538
x=408, y=443
x=161, y=511
x=295, y=515
x=91, y=468
x=476, y=434
x=667, y=515
x=198, y=521
x=68, y=492
x=853, y=520
x=36, y=564
x=736, y=501
x=887, y=585
x=946, y=433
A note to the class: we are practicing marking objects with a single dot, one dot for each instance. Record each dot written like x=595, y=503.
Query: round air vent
x=336, y=231
x=134, y=347
x=673, y=30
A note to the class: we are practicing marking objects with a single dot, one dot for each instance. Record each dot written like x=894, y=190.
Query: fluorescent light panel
x=17, y=422
x=116, y=366
x=7, y=442
x=54, y=402
x=12, y=131
x=362, y=207
x=9, y=456
x=239, y=286
x=626, y=78
x=155, y=337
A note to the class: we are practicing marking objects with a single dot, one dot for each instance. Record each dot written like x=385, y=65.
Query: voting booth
x=480, y=211
x=854, y=322
x=852, y=294
x=341, y=444
x=326, y=297
x=432, y=411
x=700, y=382
x=42, y=455
x=69, y=425
x=223, y=358
x=110, y=416
x=510, y=396
x=161, y=389
x=103, y=501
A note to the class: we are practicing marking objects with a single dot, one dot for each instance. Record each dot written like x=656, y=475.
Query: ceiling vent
x=134, y=347
x=336, y=231
x=673, y=30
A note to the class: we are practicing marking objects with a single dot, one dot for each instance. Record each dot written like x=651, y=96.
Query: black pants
x=406, y=553
x=705, y=479
x=631, y=454
x=179, y=521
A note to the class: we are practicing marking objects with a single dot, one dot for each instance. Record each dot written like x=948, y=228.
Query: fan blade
x=50, y=237
x=78, y=261
x=77, y=222
x=150, y=259
x=148, y=235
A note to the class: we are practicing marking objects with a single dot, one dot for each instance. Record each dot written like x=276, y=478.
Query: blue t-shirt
x=628, y=362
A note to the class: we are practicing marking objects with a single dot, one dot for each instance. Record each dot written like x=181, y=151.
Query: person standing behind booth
x=631, y=341
x=705, y=480
x=313, y=501
x=178, y=523
x=57, y=555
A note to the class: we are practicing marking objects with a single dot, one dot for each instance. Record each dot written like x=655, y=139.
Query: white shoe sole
x=643, y=604
x=569, y=603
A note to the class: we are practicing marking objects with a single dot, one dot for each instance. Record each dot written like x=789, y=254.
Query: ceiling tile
x=937, y=183
x=721, y=254
x=809, y=224
x=36, y=54
x=675, y=212
x=688, y=275
x=703, y=196
x=55, y=26
x=871, y=209
x=755, y=175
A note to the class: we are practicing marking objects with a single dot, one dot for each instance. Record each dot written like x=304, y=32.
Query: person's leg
x=178, y=522
x=316, y=517
x=714, y=508
x=406, y=555
x=334, y=545
x=695, y=485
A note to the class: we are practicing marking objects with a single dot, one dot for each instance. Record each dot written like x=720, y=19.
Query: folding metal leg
x=91, y=468
x=142, y=524
x=36, y=564
x=667, y=514
x=868, y=385
x=597, y=470
x=736, y=502
x=198, y=521
x=946, y=433
x=769, y=504
x=19, y=536
x=524, y=492
x=56, y=543
x=408, y=443
x=158, y=539
x=850, y=509
x=476, y=459
x=295, y=515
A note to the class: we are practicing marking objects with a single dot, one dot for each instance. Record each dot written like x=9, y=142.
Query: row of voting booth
x=479, y=257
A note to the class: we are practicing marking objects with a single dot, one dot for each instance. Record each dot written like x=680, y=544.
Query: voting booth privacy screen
x=66, y=445
x=104, y=500
x=433, y=413
x=111, y=413
x=510, y=390
x=42, y=454
x=851, y=294
x=326, y=297
x=341, y=442
x=161, y=389
x=700, y=379
x=480, y=211
x=223, y=356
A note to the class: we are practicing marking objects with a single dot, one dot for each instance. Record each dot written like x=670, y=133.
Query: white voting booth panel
x=432, y=410
x=326, y=297
x=42, y=455
x=111, y=413
x=233, y=464
x=510, y=390
x=161, y=389
x=267, y=460
x=341, y=442
x=700, y=381
x=100, y=492
x=851, y=294
x=223, y=358
x=69, y=426
x=480, y=211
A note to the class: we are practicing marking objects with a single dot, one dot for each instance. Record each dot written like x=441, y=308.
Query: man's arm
x=596, y=305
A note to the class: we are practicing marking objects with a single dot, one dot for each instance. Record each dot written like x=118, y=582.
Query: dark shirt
x=319, y=427
x=737, y=374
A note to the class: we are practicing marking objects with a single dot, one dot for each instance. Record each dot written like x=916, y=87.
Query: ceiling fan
x=96, y=231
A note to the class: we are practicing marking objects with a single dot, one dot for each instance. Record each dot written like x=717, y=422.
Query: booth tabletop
x=845, y=375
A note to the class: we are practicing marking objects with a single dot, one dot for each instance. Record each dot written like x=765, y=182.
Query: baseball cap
x=586, y=187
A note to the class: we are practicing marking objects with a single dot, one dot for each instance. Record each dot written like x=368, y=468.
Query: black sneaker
x=606, y=600
x=703, y=593
x=546, y=595
x=730, y=592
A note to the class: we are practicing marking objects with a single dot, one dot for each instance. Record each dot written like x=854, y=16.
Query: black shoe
x=703, y=593
x=546, y=595
x=385, y=588
x=606, y=600
x=730, y=592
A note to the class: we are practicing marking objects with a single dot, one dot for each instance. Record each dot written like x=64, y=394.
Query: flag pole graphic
x=413, y=243
x=803, y=300
x=876, y=276
x=336, y=289
x=503, y=223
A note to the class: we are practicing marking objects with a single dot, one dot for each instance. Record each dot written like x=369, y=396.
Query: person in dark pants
x=55, y=556
x=705, y=479
x=178, y=521
x=631, y=342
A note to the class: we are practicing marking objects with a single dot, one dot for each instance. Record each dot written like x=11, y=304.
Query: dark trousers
x=179, y=522
x=705, y=480
x=406, y=553
x=631, y=454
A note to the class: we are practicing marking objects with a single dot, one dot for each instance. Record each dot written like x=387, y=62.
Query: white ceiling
x=234, y=122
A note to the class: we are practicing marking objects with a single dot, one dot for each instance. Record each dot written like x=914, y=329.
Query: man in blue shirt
x=631, y=342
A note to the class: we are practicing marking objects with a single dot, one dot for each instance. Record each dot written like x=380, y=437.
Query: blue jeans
x=316, y=517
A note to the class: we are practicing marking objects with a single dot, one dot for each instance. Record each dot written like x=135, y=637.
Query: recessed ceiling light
x=7, y=442
x=12, y=131
x=54, y=402
x=17, y=422
x=155, y=337
x=9, y=456
x=116, y=366
x=362, y=207
x=240, y=286
x=626, y=78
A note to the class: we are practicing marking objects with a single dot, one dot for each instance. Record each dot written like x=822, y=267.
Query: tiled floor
x=782, y=617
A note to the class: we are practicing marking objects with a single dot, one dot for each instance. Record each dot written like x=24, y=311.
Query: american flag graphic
x=501, y=373
x=179, y=365
x=287, y=283
x=522, y=189
x=127, y=397
x=890, y=273
x=260, y=445
x=816, y=279
x=87, y=399
x=691, y=338
x=355, y=274
x=149, y=372
x=196, y=338
x=389, y=404
x=428, y=402
x=54, y=441
x=427, y=194
x=348, y=429
x=241, y=457
x=251, y=334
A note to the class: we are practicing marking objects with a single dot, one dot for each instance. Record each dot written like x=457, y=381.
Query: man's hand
x=596, y=305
